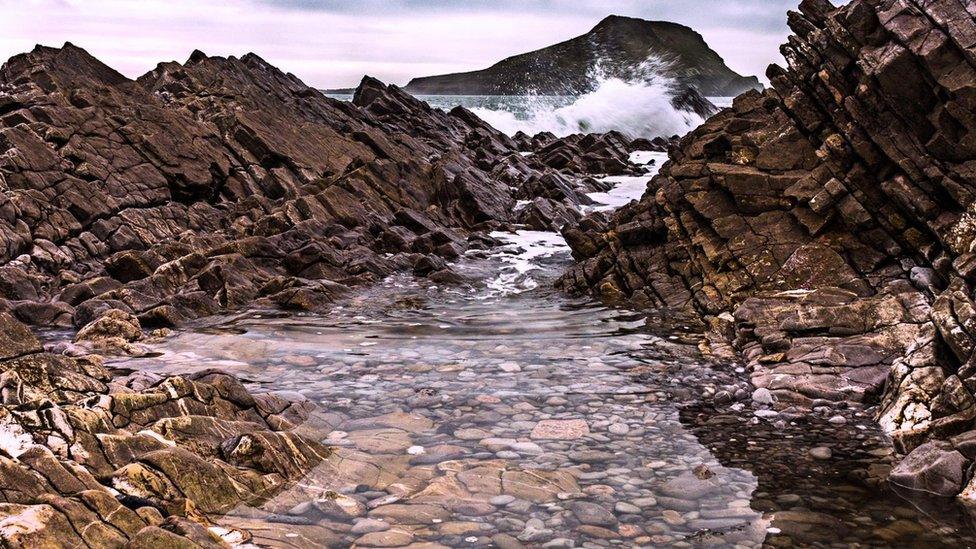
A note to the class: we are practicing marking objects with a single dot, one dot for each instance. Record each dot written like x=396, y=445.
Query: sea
x=636, y=109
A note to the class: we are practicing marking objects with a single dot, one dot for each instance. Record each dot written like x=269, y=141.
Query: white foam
x=721, y=102
x=625, y=187
x=638, y=107
x=642, y=158
x=531, y=246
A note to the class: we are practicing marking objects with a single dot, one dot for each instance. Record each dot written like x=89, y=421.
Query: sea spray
x=639, y=106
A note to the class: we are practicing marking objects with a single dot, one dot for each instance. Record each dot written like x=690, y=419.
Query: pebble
x=625, y=508
x=821, y=452
x=762, y=395
x=634, y=473
x=501, y=500
x=568, y=429
x=592, y=514
x=368, y=526
x=510, y=367
x=673, y=517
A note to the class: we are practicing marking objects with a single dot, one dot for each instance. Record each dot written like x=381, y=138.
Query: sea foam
x=638, y=106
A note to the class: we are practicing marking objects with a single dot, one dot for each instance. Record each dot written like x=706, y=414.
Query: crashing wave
x=646, y=104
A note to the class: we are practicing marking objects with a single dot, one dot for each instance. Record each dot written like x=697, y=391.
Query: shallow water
x=472, y=416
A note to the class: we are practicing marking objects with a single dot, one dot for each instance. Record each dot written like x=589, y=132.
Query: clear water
x=468, y=416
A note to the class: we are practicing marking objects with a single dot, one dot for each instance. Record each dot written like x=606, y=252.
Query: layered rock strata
x=223, y=182
x=89, y=459
x=825, y=226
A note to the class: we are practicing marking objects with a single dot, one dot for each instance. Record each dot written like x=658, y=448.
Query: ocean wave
x=640, y=106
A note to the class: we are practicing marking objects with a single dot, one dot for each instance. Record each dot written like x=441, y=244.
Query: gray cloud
x=769, y=15
x=333, y=42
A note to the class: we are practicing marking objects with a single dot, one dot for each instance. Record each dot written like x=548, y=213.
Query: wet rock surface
x=89, y=458
x=818, y=230
x=822, y=229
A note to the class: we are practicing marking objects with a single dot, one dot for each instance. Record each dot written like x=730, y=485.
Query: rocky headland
x=615, y=47
x=823, y=229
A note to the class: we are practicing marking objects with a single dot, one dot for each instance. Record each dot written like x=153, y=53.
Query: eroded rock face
x=825, y=226
x=223, y=182
x=91, y=460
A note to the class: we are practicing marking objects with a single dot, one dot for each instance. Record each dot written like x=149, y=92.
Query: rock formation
x=204, y=187
x=617, y=45
x=88, y=459
x=825, y=227
x=222, y=182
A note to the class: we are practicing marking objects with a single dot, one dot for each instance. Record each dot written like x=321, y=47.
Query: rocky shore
x=823, y=229
x=130, y=207
x=221, y=182
x=820, y=231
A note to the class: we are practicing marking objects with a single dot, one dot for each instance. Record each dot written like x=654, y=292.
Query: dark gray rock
x=592, y=514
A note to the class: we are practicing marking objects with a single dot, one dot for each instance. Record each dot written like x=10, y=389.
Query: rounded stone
x=501, y=500
x=821, y=452
x=619, y=428
x=626, y=508
x=762, y=396
x=592, y=514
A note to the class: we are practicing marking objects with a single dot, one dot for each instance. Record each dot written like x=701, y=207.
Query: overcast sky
x=332, y=43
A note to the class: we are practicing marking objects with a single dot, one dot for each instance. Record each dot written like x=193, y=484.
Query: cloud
x=333, y=43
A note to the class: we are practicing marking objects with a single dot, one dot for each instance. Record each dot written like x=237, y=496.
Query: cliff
x=617, y=45
x=825, y=229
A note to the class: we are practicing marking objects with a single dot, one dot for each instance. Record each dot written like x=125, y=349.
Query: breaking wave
x=638, y=106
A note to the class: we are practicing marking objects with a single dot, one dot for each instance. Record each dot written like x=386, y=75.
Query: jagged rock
x=237, y=184
x=831, y=215
x=183, y=445
x=543, y=214
x=16, y=339
x=201, y=187
x=113, y=330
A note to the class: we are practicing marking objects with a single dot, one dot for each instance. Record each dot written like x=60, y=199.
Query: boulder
x=935, y=468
